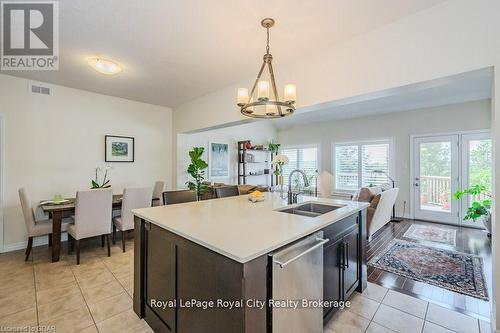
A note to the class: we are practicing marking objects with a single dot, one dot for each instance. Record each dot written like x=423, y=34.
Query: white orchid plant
x=105, y=182
x=278, y=162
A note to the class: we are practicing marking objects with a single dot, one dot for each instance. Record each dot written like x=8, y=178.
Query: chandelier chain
x=267, y=45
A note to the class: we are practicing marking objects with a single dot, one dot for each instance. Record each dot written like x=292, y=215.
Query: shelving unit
x=265, y=161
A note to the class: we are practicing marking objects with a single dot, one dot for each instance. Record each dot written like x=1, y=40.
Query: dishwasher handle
x=312, y=248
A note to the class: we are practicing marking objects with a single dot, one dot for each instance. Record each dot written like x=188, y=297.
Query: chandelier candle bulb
x=290, y=93
x=263, y=90
x=242, y=96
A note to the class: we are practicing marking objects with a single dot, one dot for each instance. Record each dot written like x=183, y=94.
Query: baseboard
x=37, y=241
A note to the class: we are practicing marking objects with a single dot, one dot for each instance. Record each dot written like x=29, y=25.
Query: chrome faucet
x=292, y=197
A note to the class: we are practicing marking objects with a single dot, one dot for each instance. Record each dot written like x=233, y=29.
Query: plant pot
x=487, y=224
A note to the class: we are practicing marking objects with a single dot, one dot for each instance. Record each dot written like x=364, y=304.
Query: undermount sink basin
x=311, y=209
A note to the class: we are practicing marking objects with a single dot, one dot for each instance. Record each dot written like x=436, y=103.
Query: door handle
x=417, y=184
x=312, y=248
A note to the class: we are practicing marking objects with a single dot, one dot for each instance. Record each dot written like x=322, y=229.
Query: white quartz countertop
x=241, y=230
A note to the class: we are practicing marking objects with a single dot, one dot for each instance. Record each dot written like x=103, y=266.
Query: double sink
x=310, y=209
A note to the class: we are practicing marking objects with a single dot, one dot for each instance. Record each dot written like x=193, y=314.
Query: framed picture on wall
x=218, y=160
x=119, y=148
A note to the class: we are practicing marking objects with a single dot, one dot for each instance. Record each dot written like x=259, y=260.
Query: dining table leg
x=56, y=235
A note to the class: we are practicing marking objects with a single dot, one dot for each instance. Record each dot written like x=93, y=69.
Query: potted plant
x=479, y=208
x=197, y=170
x=273, y=147
x=95, y=184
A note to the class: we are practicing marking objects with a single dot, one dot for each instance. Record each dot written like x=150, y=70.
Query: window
x=303, y=158
x=362, y=164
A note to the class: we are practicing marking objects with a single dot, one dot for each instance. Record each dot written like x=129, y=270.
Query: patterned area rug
x=431, y=234
x=452, y=270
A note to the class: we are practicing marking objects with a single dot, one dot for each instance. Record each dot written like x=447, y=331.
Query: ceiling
x=464, y=87
x=177, y=50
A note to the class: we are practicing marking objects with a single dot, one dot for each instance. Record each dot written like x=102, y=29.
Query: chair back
x=227, y=191
x=176, y=197
x=93, y=213
x=158, y=189
x=134, y=198
x=29, y=216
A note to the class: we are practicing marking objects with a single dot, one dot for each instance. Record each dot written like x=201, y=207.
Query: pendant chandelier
x=263, y=100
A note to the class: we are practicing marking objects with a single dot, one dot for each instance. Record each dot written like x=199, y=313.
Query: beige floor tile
x=60, y=307
x=409, y=304
x=123, y=271
x=53, y=294
x=90, y=329
x=363, y=306
x=54, y=282
x=110, y=306
x=347, y=322
x=376, y=328
x=433, y=328
x=127, y=283
x=72, y=321
x=14, y=281
x=375, y=292
x=91, y=273
x=124, y=322
x=96, y=280
x=452, y=320
x=484, y=326
x=16, y=300
x=25, y=318
x=103, y=291
x=15, y=270
x=397, y=320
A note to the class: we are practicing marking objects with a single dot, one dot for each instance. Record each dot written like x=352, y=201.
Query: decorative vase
x=487, y=224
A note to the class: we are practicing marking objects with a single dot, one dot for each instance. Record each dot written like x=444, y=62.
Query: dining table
x=65, y=208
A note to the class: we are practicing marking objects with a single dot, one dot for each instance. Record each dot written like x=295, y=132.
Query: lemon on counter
x=256, y=196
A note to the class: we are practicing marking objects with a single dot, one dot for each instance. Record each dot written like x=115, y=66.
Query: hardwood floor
x=469, y=240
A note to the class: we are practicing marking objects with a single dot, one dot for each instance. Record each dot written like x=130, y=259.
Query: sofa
x=381, y=200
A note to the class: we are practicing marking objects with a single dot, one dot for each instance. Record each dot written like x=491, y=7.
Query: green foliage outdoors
x=197, y=170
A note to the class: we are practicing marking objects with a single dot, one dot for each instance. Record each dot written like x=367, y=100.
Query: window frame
x=305, y=146
x=359, y=143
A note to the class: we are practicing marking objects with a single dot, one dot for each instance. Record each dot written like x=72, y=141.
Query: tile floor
x=96, y=296
x=380, y=310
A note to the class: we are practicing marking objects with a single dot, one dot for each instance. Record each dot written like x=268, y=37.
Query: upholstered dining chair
x=181, y=196
x=227, y=191
x=92, y=218
x=35, y=228
x=133, y=198
x=157, y=191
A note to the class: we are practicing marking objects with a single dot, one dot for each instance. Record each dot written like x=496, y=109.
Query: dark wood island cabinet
x=181, y=286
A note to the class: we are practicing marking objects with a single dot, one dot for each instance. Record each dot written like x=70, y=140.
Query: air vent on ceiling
x=40, y=88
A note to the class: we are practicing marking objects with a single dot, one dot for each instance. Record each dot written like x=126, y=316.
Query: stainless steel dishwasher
x=297, y=275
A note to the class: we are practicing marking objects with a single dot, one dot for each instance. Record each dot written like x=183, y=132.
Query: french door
x=444, y=164
x=436, y=178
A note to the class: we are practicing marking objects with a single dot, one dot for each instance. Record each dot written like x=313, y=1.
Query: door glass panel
x=480, y=164
x=435, y=176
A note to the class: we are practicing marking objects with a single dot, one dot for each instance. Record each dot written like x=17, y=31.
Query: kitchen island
x=205, y=266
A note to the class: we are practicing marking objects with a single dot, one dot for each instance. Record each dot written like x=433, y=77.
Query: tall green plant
x=197, y=170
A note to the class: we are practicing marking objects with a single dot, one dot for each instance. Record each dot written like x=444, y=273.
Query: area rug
x=452, y=270
x=432, y=234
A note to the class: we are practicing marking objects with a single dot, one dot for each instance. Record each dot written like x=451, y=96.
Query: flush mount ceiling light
x=263, y=100
x=105, y=66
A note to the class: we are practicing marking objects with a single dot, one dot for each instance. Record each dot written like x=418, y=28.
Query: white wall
x=53, y=144
x=399, y=126
x=260, y=132
x=453, y=37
